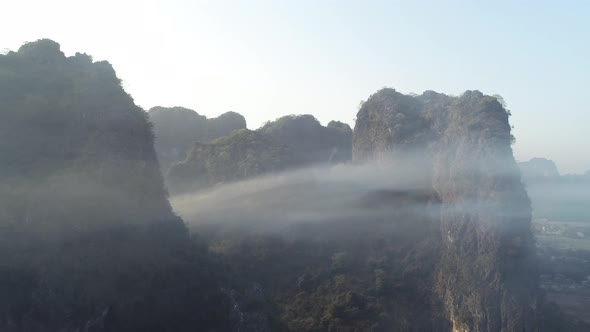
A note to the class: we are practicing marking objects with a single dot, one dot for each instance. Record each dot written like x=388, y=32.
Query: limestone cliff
x=486, y=278
x=88, y=239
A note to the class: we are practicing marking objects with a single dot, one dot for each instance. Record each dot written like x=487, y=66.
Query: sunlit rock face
x=486, y=277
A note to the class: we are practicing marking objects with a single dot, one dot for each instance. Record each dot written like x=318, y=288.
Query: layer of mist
x=315, y=194
x=352, y=192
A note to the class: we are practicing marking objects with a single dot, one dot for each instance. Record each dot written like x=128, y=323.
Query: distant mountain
x=310, y=142
x=244, y=154
x=177, y=129
x=553, y=196
x=538, y=167
x=288, y=142
x=89, y=241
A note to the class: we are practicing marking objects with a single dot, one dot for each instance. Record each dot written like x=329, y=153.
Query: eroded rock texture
x=486, y=277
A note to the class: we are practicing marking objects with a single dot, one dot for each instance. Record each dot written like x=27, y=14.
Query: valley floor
x=564, y=253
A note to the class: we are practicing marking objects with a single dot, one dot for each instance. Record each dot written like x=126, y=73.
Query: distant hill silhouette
x=244, y=154
x=308, y=141
x=289, y=142
x=177, y=129
x=553, y=196
x=538, y=167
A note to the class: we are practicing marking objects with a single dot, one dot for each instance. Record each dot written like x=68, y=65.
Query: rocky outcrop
x=72, y=134
x=89, y=241
x=391, y=122
x=486, y=277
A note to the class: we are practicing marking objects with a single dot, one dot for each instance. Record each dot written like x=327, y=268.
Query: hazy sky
x=265, y=59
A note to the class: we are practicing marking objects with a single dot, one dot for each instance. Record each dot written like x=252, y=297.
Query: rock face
x=486, y=277
x=288, y=142
x=178, y=128
x=390, y=122
x=89, y=241
x=538, y=168
x=69, y=128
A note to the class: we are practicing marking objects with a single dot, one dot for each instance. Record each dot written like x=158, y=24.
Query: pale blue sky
x=265, y=59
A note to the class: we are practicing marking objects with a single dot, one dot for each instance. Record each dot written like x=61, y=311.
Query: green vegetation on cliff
x=289, y=142
x=244, y=154
x=310, y=142
x=177, y=129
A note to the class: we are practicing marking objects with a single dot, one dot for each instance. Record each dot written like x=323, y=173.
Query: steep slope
x=178, y=128
x=486, y=276
x=89, y=241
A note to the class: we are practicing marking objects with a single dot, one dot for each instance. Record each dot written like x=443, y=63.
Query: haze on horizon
x=265, y=59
